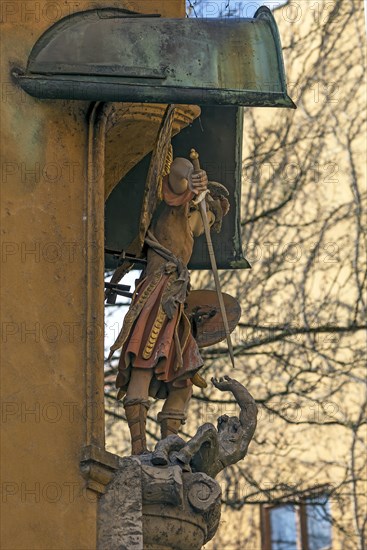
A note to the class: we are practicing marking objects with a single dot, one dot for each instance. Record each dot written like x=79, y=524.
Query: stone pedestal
x=157, y=508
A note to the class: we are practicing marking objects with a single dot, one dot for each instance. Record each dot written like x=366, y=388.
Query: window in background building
x=301, y=526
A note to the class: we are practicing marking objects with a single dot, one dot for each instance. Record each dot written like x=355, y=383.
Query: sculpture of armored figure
x=160, y=357
x=166, y=325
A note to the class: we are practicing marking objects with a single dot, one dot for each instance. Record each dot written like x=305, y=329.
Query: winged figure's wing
x=158, y=168
x=161, y=156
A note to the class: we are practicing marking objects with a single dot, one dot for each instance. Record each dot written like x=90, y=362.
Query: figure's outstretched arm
x=248, y=414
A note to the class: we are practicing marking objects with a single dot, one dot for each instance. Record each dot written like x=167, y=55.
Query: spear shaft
x=194, y=156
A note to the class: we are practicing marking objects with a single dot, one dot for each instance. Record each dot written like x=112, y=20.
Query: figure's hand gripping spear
x=194, y=157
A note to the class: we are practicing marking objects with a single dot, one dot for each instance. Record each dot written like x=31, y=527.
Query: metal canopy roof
x=110, y=55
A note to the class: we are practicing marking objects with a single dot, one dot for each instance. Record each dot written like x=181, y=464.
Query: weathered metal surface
x=217, y=134
x=104, y=54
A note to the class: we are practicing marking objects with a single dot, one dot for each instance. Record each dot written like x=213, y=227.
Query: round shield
x=203, y=310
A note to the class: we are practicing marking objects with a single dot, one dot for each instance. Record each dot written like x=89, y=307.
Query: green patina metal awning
x=111, y=55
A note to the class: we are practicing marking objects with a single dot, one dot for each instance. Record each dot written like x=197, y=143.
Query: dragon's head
x=229, y=428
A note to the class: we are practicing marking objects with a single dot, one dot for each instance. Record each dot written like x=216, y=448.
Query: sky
x=243, y=8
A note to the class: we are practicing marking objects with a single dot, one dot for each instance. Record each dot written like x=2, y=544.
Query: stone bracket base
x=98, y=467
x=157, y=508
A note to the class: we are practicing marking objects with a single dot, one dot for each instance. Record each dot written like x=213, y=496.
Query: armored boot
x=170, y=422
x=136, y=414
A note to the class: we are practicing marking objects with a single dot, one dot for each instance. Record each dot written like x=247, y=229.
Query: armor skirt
x=151, y=339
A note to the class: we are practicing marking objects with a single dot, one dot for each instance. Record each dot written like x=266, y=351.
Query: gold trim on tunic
x=158, y=322
x=154, y=333
x=134, y=311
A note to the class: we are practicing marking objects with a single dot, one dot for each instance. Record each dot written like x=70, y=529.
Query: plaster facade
x=52, y=295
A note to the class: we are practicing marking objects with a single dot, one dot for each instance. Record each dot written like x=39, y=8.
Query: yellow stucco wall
x=44, y=303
